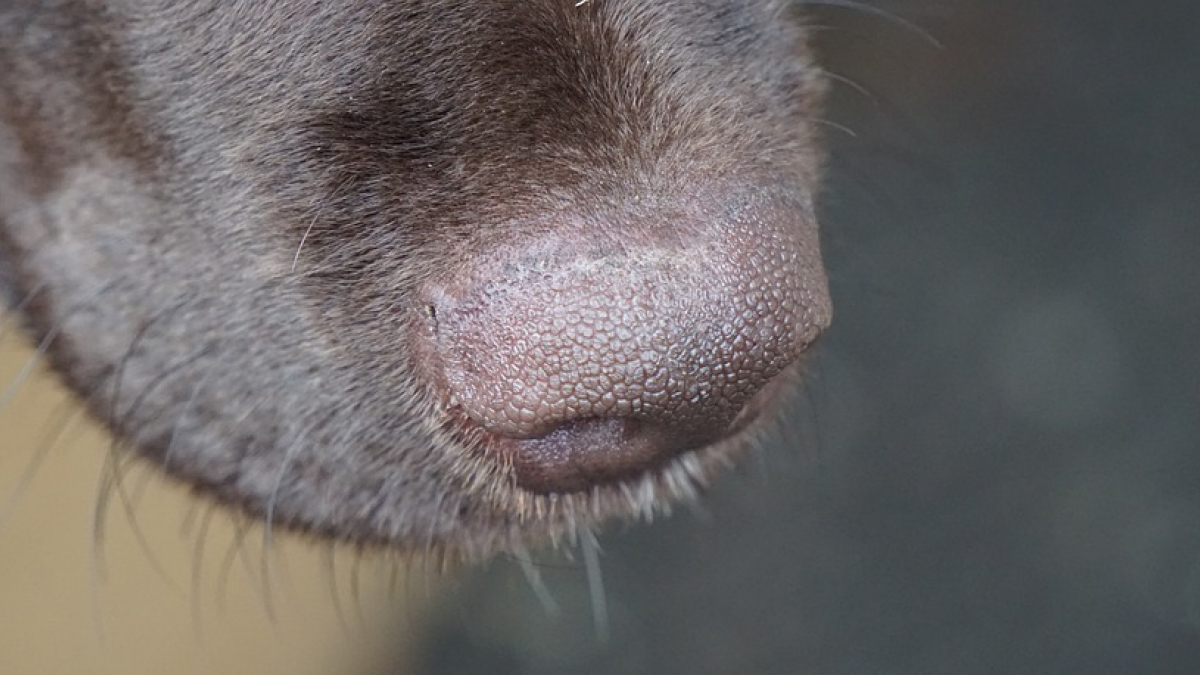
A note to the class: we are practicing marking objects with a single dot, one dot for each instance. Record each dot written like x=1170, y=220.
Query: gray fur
x=223, y=214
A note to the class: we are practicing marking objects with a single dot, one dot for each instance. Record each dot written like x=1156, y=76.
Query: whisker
x=879, y=12
x=853, y=85
x=335, y=595
x=533, y=576
x=836, y=126
x=67, y=414
x=591, y=562
x=238, y=550
x=119, y=460
x=355, y=590
x=119, y=466
x=10, y=316
x=232, y=553
x=197, y=577
x=334, y=195
x=26, y=370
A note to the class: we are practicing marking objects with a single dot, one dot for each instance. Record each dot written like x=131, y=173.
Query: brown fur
x=221, y=217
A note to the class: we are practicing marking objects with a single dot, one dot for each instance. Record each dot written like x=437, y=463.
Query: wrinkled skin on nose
x=581, y=357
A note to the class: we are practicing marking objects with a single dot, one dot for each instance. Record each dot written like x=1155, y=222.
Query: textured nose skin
x=585, y=357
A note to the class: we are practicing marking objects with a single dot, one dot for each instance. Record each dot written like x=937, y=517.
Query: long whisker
x=591, y=563
x=881, y=13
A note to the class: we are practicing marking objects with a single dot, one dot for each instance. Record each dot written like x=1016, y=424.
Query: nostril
x=578, y=454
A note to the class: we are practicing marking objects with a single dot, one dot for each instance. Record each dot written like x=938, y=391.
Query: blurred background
x=994, y=467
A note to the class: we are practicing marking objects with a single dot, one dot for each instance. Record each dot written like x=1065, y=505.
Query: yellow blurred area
x=170, y=584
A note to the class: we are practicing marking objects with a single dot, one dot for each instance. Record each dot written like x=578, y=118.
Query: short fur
x=217, y=215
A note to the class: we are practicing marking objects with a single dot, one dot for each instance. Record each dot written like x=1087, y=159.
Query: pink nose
x=585, y=358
